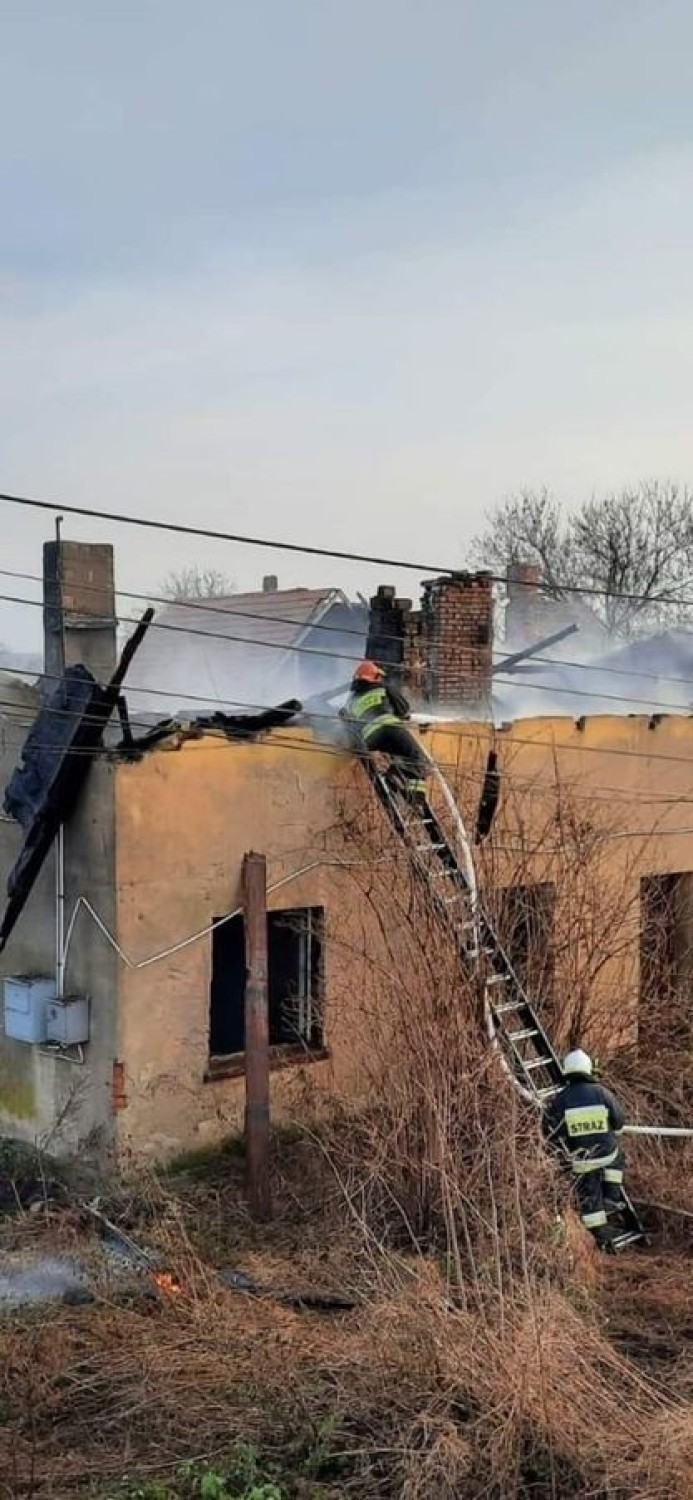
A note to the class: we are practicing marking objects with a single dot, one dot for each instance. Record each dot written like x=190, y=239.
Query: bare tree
x=528, y=527
x=196, y=582
x=635, y=548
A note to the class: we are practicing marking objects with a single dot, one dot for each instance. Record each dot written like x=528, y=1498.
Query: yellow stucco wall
x=184, y=819
x=611, y=794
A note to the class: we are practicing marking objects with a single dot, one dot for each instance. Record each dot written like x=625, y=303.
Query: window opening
x=295, y=942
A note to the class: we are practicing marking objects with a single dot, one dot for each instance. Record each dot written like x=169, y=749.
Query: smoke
x=652, y=676
x=205, y=665
x=222, y=661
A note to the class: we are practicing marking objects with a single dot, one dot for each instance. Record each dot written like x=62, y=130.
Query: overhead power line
x=21, y=716
x=208, y=607
x=255, y=643
x=591, y=693
x=219, y=611
x=596, y=667
x=153, y=523
x=297, y=743
x=502, y=736
x=207, y=635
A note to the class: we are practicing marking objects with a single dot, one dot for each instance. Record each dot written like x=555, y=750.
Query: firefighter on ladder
x=584, y=1121
x=374, y=712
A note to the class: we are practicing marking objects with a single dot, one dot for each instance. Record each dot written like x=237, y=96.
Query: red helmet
x=368, y=671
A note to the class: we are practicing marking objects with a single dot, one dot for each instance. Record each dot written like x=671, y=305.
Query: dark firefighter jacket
x=372, y=706
x=584, y=1119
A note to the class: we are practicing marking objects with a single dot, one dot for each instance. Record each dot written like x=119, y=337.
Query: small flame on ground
x=167, y=1283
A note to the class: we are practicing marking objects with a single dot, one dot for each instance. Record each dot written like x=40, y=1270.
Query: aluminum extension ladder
x=444, y=865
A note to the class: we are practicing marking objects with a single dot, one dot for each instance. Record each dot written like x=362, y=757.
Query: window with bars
x=295, y=942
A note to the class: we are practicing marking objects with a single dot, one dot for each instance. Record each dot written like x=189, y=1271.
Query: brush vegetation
x=489, y=1352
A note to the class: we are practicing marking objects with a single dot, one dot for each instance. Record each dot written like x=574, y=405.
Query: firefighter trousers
x=589, y=1188
x=599, y=1192
x=407, y=756
x=613, y=1180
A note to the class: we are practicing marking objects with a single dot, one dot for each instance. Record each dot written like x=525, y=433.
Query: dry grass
x=491, y=1354
x=534, y=1394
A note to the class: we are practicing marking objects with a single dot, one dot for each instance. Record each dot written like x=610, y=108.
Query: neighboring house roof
x=665, y=656
x=231, y=651
x=652, y=675
x=18, y=697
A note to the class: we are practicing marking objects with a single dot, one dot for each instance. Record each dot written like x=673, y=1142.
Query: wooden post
x=257, y=1113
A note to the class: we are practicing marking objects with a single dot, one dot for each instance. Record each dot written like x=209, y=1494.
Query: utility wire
x=429, y=725
x=526, y=786
x=219, y=703
x=596, y=667
x=82, y=902
x=591, y=693
x=322, y=748
x=151, y=523
x=304, y=549
x=208, y=635
x=532, y=787
x=317, y=651
x=218, y=610
x=302, y=625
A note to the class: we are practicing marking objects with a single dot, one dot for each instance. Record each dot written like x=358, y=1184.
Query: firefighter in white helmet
x=585, y=1121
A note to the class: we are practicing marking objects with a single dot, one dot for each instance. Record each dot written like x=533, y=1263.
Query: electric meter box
x=26, y=1003
x=67, y=1021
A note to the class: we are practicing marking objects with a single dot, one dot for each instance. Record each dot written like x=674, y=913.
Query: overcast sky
x=337, y=272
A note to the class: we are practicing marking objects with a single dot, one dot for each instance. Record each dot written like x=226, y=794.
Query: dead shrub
x=492, y=1353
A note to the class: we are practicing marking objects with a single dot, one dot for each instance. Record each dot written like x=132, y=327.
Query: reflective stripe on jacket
x=584, y=1119
x=371, y=710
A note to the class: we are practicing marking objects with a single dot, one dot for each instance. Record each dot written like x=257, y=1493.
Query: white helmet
x=577, y=1062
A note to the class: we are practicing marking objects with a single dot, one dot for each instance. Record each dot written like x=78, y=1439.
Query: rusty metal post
x=257, y=1111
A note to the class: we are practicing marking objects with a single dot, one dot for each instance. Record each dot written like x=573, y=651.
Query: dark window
x=666, y=961
x=295, y=981
x=226, y=1015
x=666, y=933
x=526, y=931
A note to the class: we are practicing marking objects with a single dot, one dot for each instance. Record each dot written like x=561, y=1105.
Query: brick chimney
x=442, y=652
x=387, y=631
x=79, y=613
x=523, y=612
x=457, y=639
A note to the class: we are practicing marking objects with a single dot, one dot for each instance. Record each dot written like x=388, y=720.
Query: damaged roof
x=264, y=618
x=238, y=650
x=666, y=657
x=653, y=674
x=63, y=739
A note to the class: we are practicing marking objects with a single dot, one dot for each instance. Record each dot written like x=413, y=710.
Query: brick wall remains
x=457, y=620
x=442, y=652
x=79, y=608
x=388, y=623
